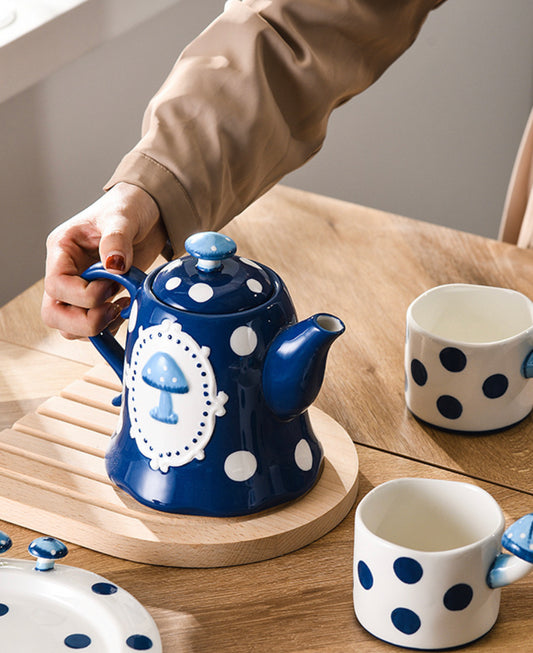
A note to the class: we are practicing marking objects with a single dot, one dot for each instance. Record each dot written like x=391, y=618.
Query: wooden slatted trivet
x=53, y=480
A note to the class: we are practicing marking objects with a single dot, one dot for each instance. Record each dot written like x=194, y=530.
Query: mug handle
x=527, y=366
x=105, y=343
x=507, y=568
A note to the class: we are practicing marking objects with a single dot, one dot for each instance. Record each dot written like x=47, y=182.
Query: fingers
x=75, y=322
x=121, y=226
x=116, y=244
x=78, y=292
x=130, y=226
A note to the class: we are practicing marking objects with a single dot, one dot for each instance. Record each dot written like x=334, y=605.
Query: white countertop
x=47, y=34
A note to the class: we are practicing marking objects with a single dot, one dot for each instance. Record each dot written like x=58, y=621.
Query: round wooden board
x=60, y=488
x=217, y=542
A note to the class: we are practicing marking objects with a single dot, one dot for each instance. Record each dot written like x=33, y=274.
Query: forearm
x=249, y=99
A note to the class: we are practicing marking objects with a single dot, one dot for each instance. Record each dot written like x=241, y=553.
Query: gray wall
x=433, y=139
x=61, y=139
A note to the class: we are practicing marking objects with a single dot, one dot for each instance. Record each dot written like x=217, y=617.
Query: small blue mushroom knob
x=47, y=550
x=5, y=542
x=210, y=248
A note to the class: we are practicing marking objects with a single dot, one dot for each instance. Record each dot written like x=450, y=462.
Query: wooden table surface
x=365, y=266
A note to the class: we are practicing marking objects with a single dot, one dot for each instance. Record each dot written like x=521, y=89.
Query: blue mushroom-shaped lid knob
x=47, y=550
x=518, y=538
x=210, y=248
x=211, y=279
x=5, y=542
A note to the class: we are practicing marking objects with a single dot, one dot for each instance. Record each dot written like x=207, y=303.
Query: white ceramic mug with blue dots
x=468, y=357
x=427, y=562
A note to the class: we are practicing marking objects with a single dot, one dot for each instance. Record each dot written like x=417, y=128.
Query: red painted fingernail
x=115, y=262
x=113, y=311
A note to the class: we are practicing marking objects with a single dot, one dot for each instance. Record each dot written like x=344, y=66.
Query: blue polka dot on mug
x=469, y=357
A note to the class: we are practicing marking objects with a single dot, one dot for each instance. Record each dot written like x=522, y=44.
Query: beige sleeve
x=249, y=99
x=517, y=220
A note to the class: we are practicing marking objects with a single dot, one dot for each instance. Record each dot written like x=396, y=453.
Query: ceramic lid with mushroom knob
x=67, y=608
x=211, y=279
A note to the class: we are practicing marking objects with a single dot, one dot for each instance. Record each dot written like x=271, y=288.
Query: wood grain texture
x=366, y=266
x=300, y=602
x=53, y=479
x=28, y=377
x=21, y=324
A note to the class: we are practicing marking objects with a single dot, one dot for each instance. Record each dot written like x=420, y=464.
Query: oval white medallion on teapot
x=174, y=403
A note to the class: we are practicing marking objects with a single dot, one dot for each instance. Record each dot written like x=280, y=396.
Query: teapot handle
x=105, y=343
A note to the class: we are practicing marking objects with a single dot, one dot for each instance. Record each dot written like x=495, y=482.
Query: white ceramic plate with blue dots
x=68, y=609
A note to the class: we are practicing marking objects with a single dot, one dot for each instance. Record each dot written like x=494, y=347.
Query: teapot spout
x=295, y=364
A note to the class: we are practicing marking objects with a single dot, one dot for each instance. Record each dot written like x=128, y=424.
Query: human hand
x=122, y=228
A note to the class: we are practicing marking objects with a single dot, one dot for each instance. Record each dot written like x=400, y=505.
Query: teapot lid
x=211, y=279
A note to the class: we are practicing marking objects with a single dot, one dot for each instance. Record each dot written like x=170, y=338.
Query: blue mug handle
x=527, y=366
x=509, y=567
x=105, y=343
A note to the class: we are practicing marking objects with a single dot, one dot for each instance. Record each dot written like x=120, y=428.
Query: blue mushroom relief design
x=171, y=395
x=162, y=372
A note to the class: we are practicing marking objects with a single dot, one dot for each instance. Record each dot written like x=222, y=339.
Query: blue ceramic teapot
x=217, y=376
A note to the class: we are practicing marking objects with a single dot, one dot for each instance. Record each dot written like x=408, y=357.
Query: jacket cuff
x=175, y=207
